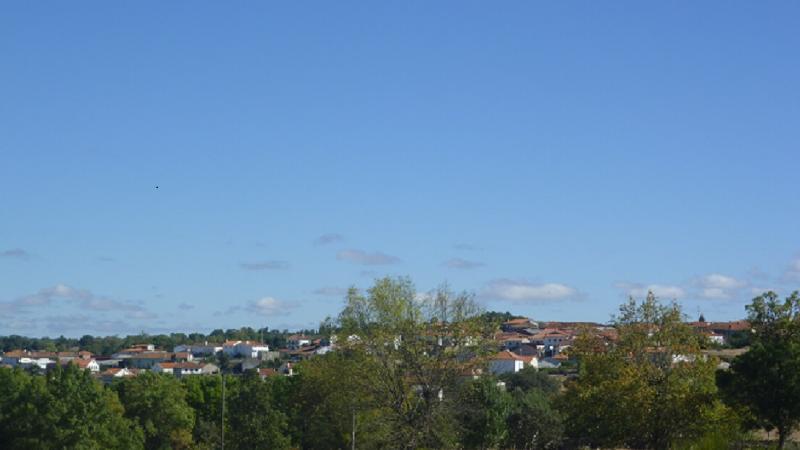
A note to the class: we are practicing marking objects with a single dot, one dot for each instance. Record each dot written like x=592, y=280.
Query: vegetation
x=765, y=381
x=108, y=345
x=650, y=390
x=410, y=372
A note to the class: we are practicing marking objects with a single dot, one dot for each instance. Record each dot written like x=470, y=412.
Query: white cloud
x=756, y=291
x=366, y=258
x=719, y=281
x=518, y=290
x=716, y=286
x=80, y=298
x=269, y=306
x=460, y=263
x=639, y=290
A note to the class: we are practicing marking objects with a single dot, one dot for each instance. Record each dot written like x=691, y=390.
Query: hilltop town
x=518, y=342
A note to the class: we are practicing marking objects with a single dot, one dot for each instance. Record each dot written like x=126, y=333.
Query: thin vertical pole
x=353, y=438
x=222, y=421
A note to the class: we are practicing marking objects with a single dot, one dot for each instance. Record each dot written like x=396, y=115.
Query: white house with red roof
x=510, y=362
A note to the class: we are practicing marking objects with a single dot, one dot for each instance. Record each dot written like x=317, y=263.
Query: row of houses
x=183, y=360
x=523, y=342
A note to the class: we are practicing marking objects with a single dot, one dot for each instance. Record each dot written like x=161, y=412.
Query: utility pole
x=222, y=421
x=353, y=438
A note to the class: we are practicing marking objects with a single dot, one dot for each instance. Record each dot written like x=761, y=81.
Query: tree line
x=108, y=345
x=409, y=372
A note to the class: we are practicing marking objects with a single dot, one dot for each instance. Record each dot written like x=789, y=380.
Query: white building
x=199, y=349
x=247, y=349
x=296, y=341
x=180, y=369
x=509, y=362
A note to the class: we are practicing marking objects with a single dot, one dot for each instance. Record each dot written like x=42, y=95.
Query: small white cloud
x=716, y=286
x=639, y=290
x=366, y=258
x=269, y=306
x=756, y=291
x=719, y=281
x=62, y=295
x=516, y=290
x=460, y=263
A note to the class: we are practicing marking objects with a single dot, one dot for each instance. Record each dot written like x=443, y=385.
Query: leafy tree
x=483, y=411
x=327, y=403
x=65, y=409
x=766, y=379
x=204, y=396
x=254, y=421
x=415, y=349
x=530, y=378
x=533, y=423
x=650, y=390
x=158, y=403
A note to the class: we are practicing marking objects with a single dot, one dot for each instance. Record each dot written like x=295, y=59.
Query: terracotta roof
x=181, y=365
x=510, y=356
x=267, y=372
x=82, y=363
x=521, y=321
x=738, y=325
x=511, y=336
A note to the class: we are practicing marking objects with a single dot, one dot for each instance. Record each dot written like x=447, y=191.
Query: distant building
x=182, y=369
x=296, y=341
x=509, y=362
x=203, y=349
x=245, y=349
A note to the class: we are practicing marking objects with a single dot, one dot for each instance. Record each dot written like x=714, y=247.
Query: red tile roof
x=507, y=355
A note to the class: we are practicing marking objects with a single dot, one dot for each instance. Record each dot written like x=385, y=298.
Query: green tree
x=415, y=348
x=530, y=378
x=766, y=379
x=327, y=403
x=65, y=409
x=204, y=396
x=483, y=411
x=651, y=389
x=255, y=422
x=158, y=403
x=533, y=423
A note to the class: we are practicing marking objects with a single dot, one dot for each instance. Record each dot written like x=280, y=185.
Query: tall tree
x=415, y=348
x=532, y=422
x=158, y=403
x=651, y=389
x=255, y=422
x=64, y=409
x=204, y=396
x=766, y=379
x=483, y=411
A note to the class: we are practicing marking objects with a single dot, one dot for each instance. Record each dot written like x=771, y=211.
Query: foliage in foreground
x=402, y=377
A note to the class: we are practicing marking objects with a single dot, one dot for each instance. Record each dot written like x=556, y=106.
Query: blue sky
x=550, y=157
